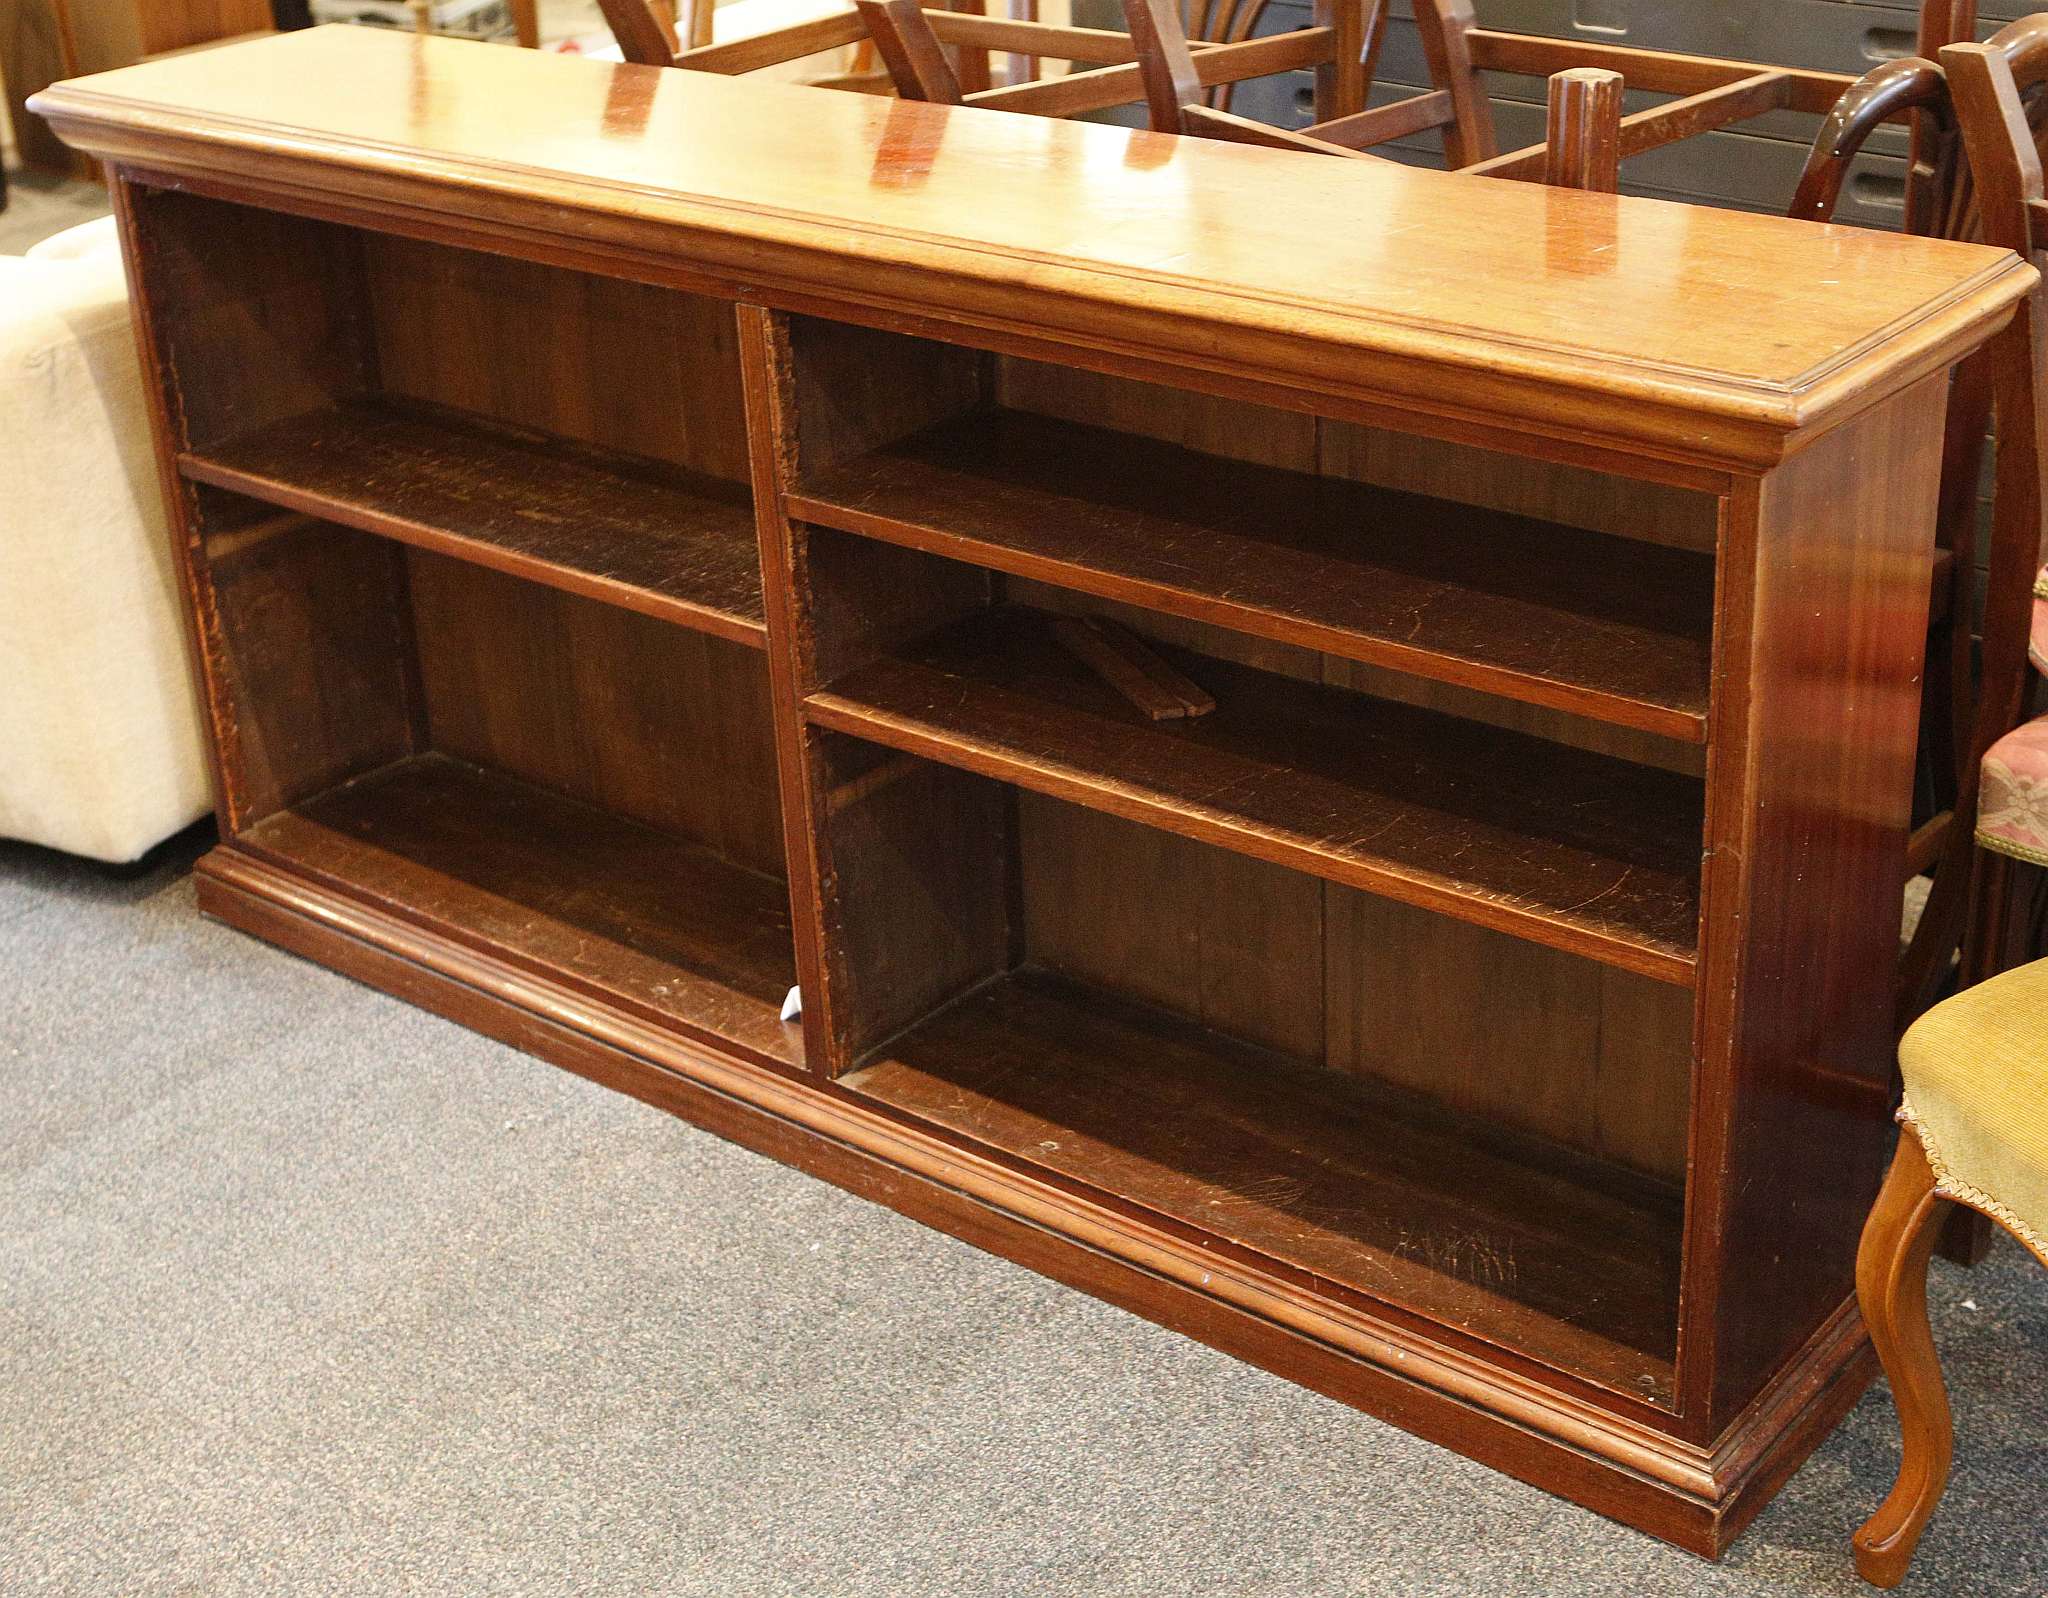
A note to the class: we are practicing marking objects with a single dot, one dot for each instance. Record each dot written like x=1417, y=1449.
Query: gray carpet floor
x=305, y=1291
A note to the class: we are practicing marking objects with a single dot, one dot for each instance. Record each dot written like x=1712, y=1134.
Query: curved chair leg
x=1891, y=1285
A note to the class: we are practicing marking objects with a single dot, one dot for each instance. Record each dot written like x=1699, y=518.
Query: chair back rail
x=1885, y=93
x=1713, y=92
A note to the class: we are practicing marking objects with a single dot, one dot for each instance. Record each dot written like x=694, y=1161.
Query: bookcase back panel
x=1557, y=726
x=647, y=720
x=623, y=366
x=1231, y=942
x=265, y=316
x=1571, y=495
x=1586, y=1056
x=1261, y=434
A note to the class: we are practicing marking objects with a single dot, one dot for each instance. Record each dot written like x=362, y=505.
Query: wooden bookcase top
x=1705, y=337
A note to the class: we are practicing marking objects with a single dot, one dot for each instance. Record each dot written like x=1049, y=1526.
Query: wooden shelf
x=1573, y=1262
x=632, y=532
x=1577, y=851
x=1604, y=627
x=620, y=910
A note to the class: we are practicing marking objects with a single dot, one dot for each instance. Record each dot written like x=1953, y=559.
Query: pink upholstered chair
x=2012, y=807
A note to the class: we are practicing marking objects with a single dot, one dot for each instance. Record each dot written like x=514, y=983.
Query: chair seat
x=1976, y=1074
x=2012, y=808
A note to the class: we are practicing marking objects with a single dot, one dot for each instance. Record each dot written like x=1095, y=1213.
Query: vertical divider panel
x=923, y=850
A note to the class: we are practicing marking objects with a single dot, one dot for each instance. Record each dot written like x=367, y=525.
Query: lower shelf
x=1621, y=1461
x=567, y=889
x=1565, y=1259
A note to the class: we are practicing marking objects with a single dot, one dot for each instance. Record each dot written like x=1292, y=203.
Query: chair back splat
x=645, y=29
x=910, y=50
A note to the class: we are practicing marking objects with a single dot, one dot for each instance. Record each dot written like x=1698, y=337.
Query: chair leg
x=1988, y=937
x=1891, y=1285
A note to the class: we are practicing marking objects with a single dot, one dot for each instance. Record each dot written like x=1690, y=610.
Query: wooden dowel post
x=1582, y=138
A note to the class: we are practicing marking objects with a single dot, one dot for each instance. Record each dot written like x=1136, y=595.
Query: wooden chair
x=1975, y=1068
x=1976, y=1071
x=1185, y=80
x=1197, y=71
x=1709, y=93
x=2012, y=809
x=1177, y=96
x=679, y=33
x=1992, y=84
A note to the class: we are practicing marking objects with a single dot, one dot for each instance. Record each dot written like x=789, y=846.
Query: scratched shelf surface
x=632, y=532
x=1573, y=850
x=1567, y=1259
x=1605, y=627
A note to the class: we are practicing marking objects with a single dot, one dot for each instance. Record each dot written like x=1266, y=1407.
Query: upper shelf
x=655, y=539
x=1604, y=627
x=1565, y=848
x=1710, y=335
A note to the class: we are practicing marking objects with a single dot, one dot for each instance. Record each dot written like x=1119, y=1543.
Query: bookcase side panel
x=1826, y=573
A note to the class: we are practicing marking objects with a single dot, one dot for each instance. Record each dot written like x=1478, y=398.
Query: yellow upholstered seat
x=1976, y=1074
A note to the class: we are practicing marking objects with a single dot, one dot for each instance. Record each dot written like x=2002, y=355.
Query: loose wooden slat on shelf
x=1569, y=1260
x=1573, y=850
x=573, y=892
x=635, y=533
x=1609, y=628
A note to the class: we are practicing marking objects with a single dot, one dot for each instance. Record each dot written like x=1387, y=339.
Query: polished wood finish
x=1448, y=1018
x=1911, y=84
x=823, y=200
x=1825, y=1082
x=1891, y=1285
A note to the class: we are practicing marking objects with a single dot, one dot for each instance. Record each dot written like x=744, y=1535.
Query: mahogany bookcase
x=638, y=526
